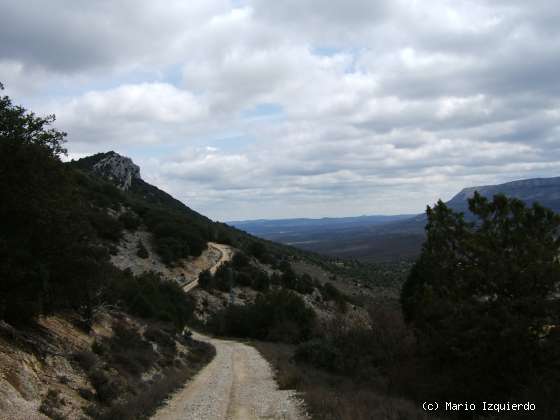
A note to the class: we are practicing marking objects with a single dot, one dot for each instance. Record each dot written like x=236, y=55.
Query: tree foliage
x=174, y=235
x=279, y=315
x=20, y=128
x=36, y=194
x=58, y=226
x=480, y=289
x=152, y=297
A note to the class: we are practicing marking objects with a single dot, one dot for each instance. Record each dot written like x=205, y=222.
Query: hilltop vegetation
x=59, y=226
x=61, y=222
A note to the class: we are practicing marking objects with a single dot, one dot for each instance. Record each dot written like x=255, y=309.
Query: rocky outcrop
x=118, y=169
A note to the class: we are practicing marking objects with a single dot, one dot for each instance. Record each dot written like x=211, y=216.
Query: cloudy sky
x=254, y=108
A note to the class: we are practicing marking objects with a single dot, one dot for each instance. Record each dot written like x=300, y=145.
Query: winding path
x=226, y=254
x=237, y=385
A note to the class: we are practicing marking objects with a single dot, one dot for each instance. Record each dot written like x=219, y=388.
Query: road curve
x=226, y=254
x=237, y=385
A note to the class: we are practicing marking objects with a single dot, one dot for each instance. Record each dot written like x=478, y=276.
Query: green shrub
x=205, y=279
x=277, y=315
x=130, y=220
x=129, y=351
x=224, y=279
x=98, y=348
x=141, y=250
x=240, y=260
x=106, y=226
x=320, y=353
x=331, y=293
x=149, y=296
x=106, y=389
x=174, y=235
x=245, y=278
x=86, y=394
x=304, y=284
x=51, y=403
x=86, y=359
x=289, y=278
x=275, y=279
x=258, y=250
x=164, y=339
x=362, y=354
x=261, y=282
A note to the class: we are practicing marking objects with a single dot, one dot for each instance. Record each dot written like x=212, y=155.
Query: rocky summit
x=118, y=169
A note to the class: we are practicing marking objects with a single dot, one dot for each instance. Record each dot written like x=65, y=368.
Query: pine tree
x=481, y=293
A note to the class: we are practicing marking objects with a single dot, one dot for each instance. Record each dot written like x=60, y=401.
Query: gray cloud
x=340, y=16
x=67, y=36
x=298, y=108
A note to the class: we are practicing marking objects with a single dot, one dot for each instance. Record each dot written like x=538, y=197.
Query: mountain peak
x=119, y=169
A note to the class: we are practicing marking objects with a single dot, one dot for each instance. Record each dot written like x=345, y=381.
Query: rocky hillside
x=123, y=367
x=545, y=191
x=92, y=309
x=118, y=169
x=79, y=337
x=171, y=223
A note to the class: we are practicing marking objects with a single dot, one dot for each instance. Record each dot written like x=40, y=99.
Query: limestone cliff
x=118, y=169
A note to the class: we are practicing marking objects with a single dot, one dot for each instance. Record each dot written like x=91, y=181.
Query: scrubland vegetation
x=480, y=323
x=278, y=313
x=59, y=227
x=115, y=367
x=60, y=224
x=357, y=373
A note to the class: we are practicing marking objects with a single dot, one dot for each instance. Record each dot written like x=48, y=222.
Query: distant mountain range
x=384, y=238
x=296, y=230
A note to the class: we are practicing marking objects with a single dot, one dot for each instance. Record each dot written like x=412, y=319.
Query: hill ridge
x=393, y=239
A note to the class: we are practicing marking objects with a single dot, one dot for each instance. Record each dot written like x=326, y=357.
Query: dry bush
x=334, y=397
x=51, y=404
x=86, y=359
x=129, y=352
x=364, y=379
x=150, y=396
x=346, y=402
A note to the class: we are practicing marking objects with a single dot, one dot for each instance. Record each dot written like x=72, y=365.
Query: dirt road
x=237, y=385
x=225, y=252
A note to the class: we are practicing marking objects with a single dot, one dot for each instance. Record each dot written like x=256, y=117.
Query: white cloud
x=149, y=101
x=376, y=106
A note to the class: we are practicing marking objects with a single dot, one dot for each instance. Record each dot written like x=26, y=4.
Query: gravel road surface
x=237, y=385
